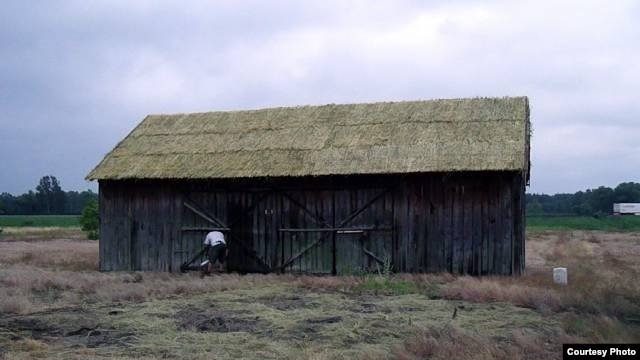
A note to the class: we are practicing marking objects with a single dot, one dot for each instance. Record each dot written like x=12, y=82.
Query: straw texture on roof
x=391, y=137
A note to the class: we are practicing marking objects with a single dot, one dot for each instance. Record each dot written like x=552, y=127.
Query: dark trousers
x=218, y=252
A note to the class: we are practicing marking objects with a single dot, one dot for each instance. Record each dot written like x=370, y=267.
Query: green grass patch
x=387, y=286
x=39, y=221
x=605, y=223
x=384, y=285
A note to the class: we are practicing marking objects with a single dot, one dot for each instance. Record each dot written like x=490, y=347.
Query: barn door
x=201, y=212
x=335, y=232
x=252, y=231
x=305, y=241
x=244, y=217
x=365, y=242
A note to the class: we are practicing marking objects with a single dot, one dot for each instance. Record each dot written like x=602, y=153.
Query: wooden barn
x=421, y=186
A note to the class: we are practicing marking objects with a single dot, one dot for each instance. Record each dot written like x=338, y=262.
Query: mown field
x=55, y=304
x=39, y=221
x=39, y=227
x=604, y=223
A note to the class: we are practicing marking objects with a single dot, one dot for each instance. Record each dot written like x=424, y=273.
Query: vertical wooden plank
x=521, y=229
x=432, y=255
x=507, y=262
x=285, y=238
x=394, y=233
x=352, y=260
x=165, y=233
x=467, y=221
x=140, y=201
x=265, y=215
x=517, y=227
x=275, y=237
x=485, y=223
x=267, y=218
x=400, y=211
x=458, y=227
x=477, y=228
x=318, y=250
x=494, y=221
x=500, y=228
x=306, y=238
x=448, y=192
x=105, y=240
x=342, y=209
x=174, y=229
x=177, y=235
x=438, y=238
x=299, y=239
x=334, y=268
x=163, y=210
x=416, y=208
x=292, y=238
x=388, y=223
x=430, y=259
x=126, y=231
x=256, y=217
x=275, y=225
x=327, y=248
x=119, y=214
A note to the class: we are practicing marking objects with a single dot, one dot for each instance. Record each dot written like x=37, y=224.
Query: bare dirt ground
x=55, y=304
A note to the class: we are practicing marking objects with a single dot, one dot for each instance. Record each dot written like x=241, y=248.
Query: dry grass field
x=55, y=304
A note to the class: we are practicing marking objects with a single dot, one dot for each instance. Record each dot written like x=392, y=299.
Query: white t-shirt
x=214, y=238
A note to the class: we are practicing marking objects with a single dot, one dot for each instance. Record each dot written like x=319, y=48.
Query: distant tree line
x=590, y=202
x=47, y=199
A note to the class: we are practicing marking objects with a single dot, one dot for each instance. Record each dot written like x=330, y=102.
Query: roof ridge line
x=285, y=107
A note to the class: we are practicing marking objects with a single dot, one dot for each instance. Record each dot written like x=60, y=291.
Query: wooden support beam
x=339, y=230
x=296, y=230
x=210, y=218
x=251, y=253
x=306, y=211
x=366, y=251
x=363, y=208
x=302, y=252
x=205, y=229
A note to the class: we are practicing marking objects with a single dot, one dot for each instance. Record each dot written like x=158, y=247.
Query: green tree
x=26, y=204
x=627, y=192
x=601, y=199
x=534, y=207
x=50, y=196
x=89, y=219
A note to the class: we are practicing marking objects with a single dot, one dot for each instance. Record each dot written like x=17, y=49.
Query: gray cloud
x=76, y=76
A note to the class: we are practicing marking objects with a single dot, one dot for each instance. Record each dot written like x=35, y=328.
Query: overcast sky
x=77, y=76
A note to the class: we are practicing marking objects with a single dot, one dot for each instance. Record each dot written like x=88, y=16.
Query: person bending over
x=216, y=250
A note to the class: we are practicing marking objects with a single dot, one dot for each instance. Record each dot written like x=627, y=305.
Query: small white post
x=560, y=275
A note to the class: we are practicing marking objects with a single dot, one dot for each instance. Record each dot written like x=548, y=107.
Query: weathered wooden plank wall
x=138, y=226
x=463, y=222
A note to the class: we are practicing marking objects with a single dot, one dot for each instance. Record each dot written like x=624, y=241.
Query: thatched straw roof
x=389, y=137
